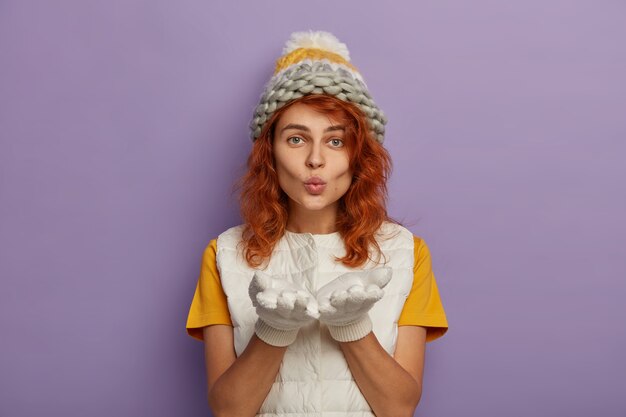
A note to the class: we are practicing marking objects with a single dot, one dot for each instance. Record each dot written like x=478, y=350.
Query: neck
x=312, y=221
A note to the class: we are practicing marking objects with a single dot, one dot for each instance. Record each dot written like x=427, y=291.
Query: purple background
x=124, y=124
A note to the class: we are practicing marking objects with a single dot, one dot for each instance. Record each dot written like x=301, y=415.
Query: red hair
x=362, y=209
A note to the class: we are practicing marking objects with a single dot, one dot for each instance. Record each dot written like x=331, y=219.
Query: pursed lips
x=315, y=181
x=314, y=185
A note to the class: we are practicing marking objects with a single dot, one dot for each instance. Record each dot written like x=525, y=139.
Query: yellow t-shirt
x=422, y=307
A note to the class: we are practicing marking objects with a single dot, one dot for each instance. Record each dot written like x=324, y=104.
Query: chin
x=314, y=207
x=320, y=204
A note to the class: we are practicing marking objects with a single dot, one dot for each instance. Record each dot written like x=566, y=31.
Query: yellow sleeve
x=423, y=306
x=209, y=304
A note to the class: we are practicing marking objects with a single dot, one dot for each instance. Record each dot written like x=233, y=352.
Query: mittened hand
x=282, y=306
x=344, y=303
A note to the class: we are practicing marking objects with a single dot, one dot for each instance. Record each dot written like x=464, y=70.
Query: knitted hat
x=316, y=62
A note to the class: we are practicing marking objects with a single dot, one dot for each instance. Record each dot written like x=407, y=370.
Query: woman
x=319, y=302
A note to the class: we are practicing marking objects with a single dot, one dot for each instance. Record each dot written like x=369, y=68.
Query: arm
x=391, y=385
x=237, y=386
x=390, y=389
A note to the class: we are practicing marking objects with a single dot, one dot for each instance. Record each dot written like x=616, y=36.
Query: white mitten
x=344, y=303
x=282, y=306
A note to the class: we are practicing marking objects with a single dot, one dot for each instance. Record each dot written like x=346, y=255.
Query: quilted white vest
x=314, y=378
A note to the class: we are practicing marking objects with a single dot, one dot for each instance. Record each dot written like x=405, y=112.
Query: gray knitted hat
x=316, y=62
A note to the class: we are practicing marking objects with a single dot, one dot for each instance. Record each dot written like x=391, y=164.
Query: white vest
x=314, y=378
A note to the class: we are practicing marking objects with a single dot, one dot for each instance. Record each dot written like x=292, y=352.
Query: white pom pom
x=316, y=39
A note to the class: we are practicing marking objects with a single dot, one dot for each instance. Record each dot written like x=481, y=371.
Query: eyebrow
x=306, y=129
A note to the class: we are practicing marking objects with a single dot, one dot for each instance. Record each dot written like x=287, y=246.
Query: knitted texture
x=282, y=305
x=353, y=331
x=344, y=303
x=316, y=62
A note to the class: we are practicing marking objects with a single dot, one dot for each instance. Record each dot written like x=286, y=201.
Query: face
x=312, y=161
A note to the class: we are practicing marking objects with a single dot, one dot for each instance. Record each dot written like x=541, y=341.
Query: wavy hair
x=362, y=209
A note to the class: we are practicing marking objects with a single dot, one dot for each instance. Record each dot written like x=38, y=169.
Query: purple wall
x=123, y=125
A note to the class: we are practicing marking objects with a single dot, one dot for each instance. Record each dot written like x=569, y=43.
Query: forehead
x=306, y=115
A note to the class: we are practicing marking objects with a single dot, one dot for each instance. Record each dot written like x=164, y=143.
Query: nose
x=315, y=159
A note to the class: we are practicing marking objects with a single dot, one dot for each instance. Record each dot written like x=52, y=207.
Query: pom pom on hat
x=316, y=39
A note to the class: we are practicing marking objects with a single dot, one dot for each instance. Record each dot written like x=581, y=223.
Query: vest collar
x=292, y=240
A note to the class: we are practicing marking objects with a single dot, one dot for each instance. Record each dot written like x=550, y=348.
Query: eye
x=297, y=140
x=337, y=143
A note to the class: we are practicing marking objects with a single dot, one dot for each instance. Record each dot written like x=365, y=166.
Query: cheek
x=287, y=176
x=283, y=159
x=343, y=168
x=286, y=171
x=344, y=180
x=283, y=177
x=280, y=162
